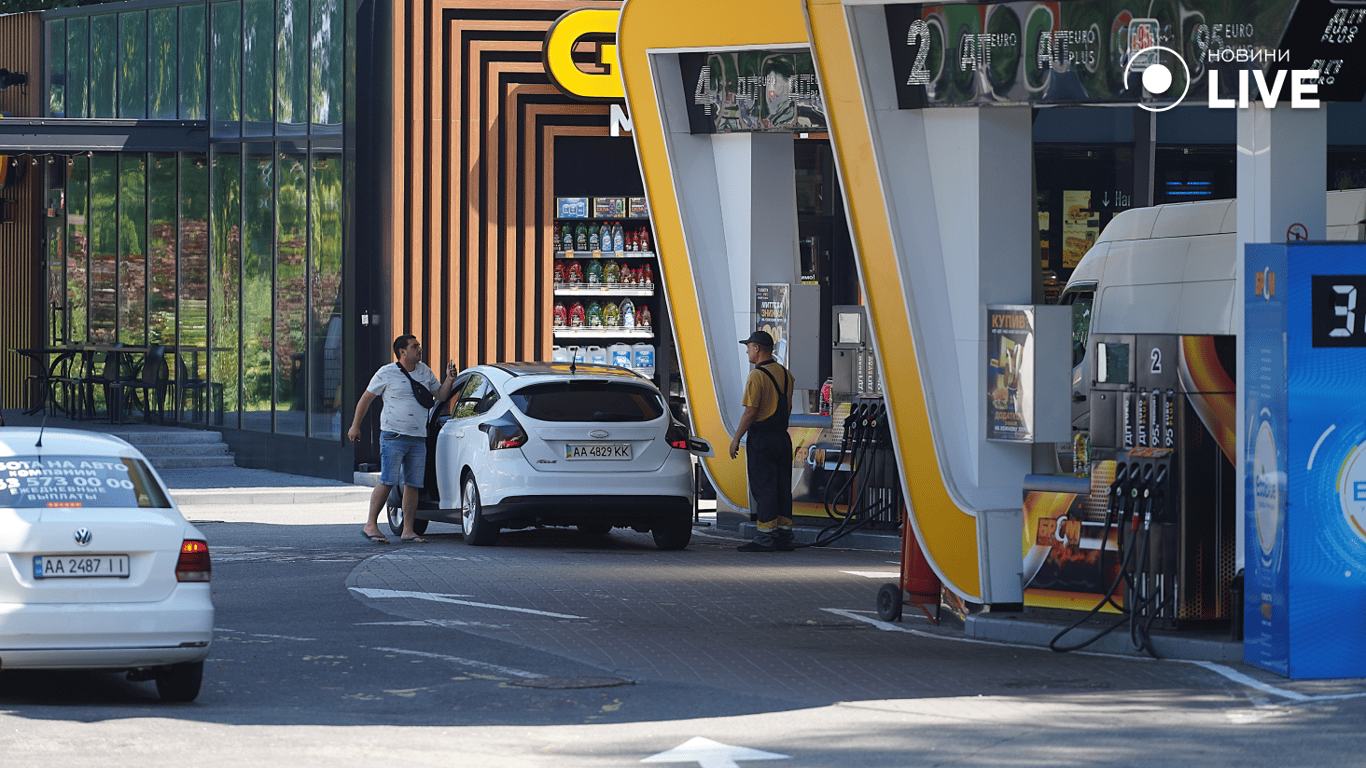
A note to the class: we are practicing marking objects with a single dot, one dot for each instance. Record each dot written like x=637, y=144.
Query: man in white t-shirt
x=403, y=431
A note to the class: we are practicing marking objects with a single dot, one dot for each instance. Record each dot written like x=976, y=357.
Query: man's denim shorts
x=402, y=452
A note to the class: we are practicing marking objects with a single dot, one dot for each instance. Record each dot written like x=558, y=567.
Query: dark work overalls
x=768, y=464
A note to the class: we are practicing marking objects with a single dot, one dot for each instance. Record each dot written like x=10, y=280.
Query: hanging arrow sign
x=712, y=754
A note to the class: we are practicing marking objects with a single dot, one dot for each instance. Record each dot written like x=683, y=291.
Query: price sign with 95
x=1338, y=311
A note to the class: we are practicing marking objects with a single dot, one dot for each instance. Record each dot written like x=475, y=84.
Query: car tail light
x=194, y=561
x=677, y=436
x=504, y=432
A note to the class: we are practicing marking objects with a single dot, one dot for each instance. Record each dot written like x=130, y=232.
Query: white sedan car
x=593, y=446
x=99, y=569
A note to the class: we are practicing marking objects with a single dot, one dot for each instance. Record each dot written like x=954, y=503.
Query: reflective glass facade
x=230, y=252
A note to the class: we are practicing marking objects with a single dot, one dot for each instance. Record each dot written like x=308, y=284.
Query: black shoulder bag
x=423, y=395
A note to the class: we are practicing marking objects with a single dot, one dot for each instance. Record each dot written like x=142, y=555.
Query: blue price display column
x=1305, y=459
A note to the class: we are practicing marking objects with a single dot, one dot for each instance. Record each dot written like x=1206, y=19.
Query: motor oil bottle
x=596, y=355
x=561, y=315
x=628, y=313
x=594, y=239
x=647, y=276
x=626, y=277
x=611, y=315
x=594, y=315
x=620, y=355
x=643, y=359
x=631, y=244
x=574, y=275
x=618, y=241
x=644, y=238
x=577, y=315
x=559, y=271
x=611, y=273
x=559, y=354
x=595, y=273
x=566, y=239
x=606, y=236
x=581, y=238
x=643, y=317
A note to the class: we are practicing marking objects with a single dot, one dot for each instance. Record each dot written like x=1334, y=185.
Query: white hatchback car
x=593, y=446
x=98, y=568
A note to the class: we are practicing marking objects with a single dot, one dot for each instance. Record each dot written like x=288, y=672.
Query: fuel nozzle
x=1117, y=487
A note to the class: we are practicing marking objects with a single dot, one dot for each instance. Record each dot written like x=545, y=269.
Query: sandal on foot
x=414, y=540
x=375, y=538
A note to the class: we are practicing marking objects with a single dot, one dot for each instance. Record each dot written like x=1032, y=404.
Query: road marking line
x=1219, y=669
x=396, y=593
x=466, y=662
x=875, y=574
x=1242, y=679
x=890, y=627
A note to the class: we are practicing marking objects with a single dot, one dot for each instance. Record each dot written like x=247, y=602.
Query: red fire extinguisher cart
x=918, y=584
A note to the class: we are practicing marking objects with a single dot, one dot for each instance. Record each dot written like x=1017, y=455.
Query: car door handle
x=1078, y=398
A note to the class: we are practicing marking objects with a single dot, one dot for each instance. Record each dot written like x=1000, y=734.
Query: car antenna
x=39, y=444
x=573, y=358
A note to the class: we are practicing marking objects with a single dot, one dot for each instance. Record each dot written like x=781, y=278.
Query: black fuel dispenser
x=1162, y=428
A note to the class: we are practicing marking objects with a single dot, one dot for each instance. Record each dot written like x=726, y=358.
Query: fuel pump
x=1161, y=412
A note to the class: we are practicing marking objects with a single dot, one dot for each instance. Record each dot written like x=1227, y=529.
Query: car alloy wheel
x=478, y=531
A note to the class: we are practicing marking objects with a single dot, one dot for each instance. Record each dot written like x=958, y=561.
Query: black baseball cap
x=759, y=337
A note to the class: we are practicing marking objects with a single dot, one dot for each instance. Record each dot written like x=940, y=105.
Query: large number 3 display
x=1305, y=459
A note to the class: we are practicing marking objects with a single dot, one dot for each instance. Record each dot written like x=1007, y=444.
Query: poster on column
x=1009, y=373
x=771, y=307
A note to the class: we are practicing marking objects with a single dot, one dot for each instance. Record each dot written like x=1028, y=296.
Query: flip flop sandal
x=376, y=538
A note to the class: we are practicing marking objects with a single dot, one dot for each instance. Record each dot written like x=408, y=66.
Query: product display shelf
x=604, y=332
x=584, y=289
x=604, y=254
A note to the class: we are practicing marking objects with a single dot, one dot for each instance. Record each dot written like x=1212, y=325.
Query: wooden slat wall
x=20, y=235
x=474, y=123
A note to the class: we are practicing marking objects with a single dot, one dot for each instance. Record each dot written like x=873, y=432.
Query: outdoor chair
x=152, y=384
x=202, y=392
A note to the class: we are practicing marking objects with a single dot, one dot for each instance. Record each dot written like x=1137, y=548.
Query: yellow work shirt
x=761, y=393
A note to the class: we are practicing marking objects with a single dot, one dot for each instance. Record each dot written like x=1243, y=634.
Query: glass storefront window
x=194, y=283
x=56, y=68
x=161, y=221
x=103, y=66
x=193, y=87
x=291, y=294
x=225, y=275
x=77, y=247
x=258, y=251
x=77, y=67
x=104, y=247
x=162, y=64
x=132, y=84
x=326, y=72
x=132, y=229
x=226, y=85
x=325, y=275
x=258, y=76
x=291, y=67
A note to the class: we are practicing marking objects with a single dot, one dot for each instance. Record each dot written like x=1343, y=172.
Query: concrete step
x=190, y=462
x=179, y=448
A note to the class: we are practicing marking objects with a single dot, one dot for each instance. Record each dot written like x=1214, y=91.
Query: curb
x=187, y=497
x=1019, y=629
